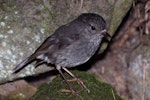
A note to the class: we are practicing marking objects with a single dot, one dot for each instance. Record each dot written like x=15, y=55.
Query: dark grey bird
x=71, y=45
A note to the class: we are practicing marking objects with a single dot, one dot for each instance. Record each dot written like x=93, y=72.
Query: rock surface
x=24, y=24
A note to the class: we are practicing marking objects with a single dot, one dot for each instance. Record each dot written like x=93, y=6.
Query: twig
x=113, y=94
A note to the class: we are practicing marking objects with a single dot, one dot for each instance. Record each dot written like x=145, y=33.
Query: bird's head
x=94, y=24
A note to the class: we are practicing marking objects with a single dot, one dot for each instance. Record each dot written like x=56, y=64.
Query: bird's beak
x=106, y=34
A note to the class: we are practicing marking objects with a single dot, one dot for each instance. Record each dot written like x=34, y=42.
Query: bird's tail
x=23, y=63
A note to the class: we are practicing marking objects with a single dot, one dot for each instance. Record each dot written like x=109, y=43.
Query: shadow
x=41, y=76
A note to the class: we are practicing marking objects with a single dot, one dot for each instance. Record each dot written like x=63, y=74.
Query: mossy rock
x=98, y=90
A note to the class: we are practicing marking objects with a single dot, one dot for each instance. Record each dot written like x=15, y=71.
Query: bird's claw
x=69, y=91
x=80, y=82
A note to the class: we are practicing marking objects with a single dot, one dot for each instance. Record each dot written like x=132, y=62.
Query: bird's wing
x=62, y=37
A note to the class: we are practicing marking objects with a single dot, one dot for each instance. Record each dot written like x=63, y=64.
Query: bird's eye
x=93, y=28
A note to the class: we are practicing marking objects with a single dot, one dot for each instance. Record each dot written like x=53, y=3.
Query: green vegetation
x=98, y=90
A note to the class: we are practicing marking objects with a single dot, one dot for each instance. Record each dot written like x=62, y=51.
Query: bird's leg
x=76, y=79
x=64, y=90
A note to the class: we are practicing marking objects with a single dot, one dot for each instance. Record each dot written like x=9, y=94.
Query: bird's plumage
x=71, y=44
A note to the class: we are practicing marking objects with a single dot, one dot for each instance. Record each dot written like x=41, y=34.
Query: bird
x=71, y=45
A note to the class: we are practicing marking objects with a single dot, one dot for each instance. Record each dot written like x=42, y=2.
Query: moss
x=98, y=90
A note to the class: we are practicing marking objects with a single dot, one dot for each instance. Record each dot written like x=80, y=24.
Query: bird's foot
x=80, y=82
x=71, y=91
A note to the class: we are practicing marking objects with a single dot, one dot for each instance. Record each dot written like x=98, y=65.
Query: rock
x=18, y=90
x=24, y=24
